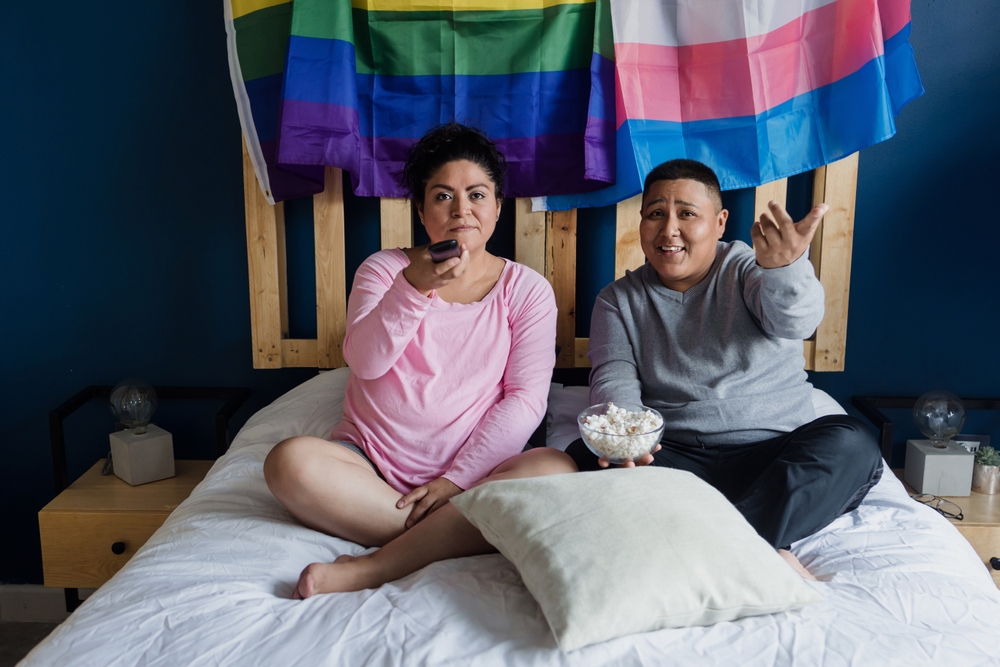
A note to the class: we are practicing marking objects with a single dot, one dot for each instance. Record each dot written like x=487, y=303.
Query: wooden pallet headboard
x=545, y=241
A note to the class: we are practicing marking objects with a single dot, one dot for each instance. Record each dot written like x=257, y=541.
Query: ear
x=499, y=205
x=420, y=212
x=723, y=216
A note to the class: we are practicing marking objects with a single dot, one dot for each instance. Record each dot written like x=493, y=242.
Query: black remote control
x=444, y=250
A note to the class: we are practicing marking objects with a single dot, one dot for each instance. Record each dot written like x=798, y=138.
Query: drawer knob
x=995, y=563
x=118, y=548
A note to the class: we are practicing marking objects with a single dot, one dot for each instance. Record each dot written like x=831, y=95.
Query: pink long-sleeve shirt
x=441, y=389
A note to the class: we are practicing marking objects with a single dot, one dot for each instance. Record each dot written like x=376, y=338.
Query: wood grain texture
x=836, y=184
x=580, y=349
x=79, y=526
x=266, y=260
x=776, y=190
x=397, y=223
x=299, y=352
x=529, y=235
x=331, y=277
x=560, y=269
x=628, y=249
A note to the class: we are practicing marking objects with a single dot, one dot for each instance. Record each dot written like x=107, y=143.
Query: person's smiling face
x=681, y=225
x=460, y=203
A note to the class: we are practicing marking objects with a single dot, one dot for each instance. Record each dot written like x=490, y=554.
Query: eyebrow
x=451, y=189
x=661, y=200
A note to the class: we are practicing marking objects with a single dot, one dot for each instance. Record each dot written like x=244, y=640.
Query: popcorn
x=622, y=435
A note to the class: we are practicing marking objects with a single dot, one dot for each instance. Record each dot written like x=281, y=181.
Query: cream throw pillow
x=615, y=552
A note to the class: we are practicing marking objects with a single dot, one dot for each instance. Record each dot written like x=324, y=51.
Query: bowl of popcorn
x=620, y=432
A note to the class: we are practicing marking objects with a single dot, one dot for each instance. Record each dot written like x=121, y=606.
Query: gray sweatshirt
x=722, y=361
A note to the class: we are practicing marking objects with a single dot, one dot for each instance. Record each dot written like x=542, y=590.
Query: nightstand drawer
x=81, y=525
x=78, y=548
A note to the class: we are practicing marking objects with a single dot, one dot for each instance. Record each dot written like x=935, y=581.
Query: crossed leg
x=374, y=520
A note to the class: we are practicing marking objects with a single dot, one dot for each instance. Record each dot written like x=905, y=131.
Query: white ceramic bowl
x=614, y=447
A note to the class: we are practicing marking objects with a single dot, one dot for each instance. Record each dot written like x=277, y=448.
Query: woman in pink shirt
x=450, y=370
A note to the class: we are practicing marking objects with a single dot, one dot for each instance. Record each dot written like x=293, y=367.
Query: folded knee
x=285, y=464
x=550, y=461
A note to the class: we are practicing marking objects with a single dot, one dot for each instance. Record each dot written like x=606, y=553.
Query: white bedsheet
x=900, y=587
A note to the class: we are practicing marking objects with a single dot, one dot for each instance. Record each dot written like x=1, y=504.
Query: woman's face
x=460, y=203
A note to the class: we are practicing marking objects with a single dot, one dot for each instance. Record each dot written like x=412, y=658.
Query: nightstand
x=93, y=527
x=90, y=530
x=980, y=525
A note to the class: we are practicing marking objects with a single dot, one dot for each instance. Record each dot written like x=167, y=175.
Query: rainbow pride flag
x=257, y=32
x=366, y=79
x=757, y=90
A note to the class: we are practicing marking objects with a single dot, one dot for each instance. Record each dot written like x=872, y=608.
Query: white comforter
x=900, y=587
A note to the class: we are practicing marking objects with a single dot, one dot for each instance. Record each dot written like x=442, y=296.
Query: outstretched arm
x=782, y=290
x=614, y=375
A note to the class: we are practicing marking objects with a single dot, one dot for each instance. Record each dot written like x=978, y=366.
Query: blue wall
x=123, y=249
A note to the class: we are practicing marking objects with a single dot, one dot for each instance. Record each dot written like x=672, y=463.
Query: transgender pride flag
x=757, y=90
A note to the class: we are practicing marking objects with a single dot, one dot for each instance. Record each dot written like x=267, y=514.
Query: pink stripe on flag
x=745, y=77
x=895, y=14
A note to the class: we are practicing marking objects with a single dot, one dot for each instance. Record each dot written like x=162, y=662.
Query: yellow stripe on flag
x=244, y=7
x=459, y=5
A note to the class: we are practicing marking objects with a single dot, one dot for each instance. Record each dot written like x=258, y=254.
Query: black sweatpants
x=787, y=487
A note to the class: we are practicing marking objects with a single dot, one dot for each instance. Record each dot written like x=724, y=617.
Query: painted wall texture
x=123, y=249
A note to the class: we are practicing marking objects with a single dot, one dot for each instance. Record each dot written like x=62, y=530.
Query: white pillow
x=621, y=551
x=566, y=402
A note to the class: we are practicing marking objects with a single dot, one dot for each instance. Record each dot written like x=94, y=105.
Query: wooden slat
x=265, y=257
x=581, y=347
x=628, y=249
x=529, y=235
x=298, y=352
x=331, y=277
x=837, y=186
x=809, y=352
x=560, y=269
x=776, y=190
x=397, y=223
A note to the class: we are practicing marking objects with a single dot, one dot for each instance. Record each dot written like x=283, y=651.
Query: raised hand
x=778, y=241
x=426, y=276
x=427, y=498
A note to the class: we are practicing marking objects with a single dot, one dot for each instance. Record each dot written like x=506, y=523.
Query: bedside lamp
x=938, y=466
x=143, y=452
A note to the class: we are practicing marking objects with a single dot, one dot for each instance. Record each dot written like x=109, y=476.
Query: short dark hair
x=448, y=143
x=673, y=170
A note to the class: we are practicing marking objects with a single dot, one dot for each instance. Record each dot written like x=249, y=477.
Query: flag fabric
x=257, y=37
x=584, y=97
x=365, y=80
x=757, y=90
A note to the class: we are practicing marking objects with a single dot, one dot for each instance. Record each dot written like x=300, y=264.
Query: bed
x=900, y=586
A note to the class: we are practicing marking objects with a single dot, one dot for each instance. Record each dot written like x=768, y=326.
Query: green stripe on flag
x=262, y=41
x=476, y=43
x=464, y=43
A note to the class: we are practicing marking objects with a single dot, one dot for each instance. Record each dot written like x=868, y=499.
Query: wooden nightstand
x=90, y=530
x=981, y=525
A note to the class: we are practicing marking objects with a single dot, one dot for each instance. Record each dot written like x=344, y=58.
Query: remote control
x=444, y=250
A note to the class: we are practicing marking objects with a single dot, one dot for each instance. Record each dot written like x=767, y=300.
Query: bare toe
x=796, y=565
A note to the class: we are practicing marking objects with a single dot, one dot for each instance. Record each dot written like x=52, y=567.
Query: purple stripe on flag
x=599, y=136
x=316, y=133
x=293, y=181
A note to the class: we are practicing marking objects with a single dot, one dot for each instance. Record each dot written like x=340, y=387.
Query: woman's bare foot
x=346, y=573
x=796, y=565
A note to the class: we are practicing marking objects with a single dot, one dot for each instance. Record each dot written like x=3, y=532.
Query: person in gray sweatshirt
x=710, y=333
